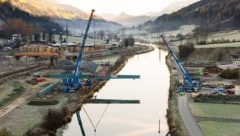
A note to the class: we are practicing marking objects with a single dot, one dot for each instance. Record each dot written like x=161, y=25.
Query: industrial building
x=236, y=59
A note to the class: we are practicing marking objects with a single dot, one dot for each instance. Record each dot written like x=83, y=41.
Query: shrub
x=18, y=87
x=185, y=50
x=230, y=74
x=55, y=119
x=36, y=132
x=5, y=132
x=43, y=102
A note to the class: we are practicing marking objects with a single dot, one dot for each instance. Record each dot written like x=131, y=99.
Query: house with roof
x=236, y=87
x=236, y=59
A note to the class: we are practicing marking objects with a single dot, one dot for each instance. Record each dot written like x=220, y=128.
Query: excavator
x=36, y=77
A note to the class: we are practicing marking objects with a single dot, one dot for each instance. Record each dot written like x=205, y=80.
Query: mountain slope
x=213, y=15
x=127, y=20
x=8, y=12
x=48, y=14
x=78, y=26
x=177, y=5
x=48, y=8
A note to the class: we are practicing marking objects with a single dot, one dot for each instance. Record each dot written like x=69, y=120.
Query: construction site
x=187, y=84
x=31, y=83
x=216, y=102
x=42, y=78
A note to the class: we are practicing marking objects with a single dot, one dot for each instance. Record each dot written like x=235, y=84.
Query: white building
x=236, y=59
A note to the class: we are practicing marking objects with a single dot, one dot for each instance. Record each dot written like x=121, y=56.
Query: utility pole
x=159, y=129
x=66, y=31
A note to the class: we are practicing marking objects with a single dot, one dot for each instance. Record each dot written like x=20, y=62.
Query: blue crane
x=189, y=84
x=73, y=83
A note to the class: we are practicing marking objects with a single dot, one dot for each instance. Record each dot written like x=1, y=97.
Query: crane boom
x=72, y=84
x=184, y=72
x=75, y=78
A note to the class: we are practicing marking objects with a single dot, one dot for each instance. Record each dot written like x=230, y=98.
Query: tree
x=5, y=132
x=37, y=37
x=44, y=35
x=50, y=36
x=185, y=50
x=101, y=34
x=131, y=41
x=125, y=43
x=17, y=26
x=229, y=74
x=128, y=42
x=60, y=37
x=180, y=36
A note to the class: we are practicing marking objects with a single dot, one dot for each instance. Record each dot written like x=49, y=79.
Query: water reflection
x=131, y=119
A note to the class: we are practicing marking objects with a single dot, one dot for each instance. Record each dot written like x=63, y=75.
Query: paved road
x=189, y=121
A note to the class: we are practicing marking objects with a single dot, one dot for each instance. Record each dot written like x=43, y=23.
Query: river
x=130, y=119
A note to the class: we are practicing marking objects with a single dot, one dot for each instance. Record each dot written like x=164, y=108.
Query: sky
x=132, y=7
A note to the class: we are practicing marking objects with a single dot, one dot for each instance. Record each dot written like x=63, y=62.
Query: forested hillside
x=13, y=16
x=31, y=17
x=214, y=15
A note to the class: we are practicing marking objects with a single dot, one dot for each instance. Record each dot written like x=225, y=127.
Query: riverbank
x=175, y=123
x=32, y=119
x=201, y=58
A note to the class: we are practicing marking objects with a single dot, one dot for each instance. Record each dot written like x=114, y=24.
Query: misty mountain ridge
x=126, y=19
x=173, y=7
x=129, y=20
x=132, y=20
x=177, y=5
x=211, y=15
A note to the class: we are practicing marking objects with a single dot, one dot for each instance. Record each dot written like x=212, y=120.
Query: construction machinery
x=72, y=84
x=36, y=77
x=189, y=84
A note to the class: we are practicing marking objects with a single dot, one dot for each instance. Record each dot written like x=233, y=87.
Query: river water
x=130, y=119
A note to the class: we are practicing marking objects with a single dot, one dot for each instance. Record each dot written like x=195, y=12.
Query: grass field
x=210, y=128
x=215, y=110
x=79, y=40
